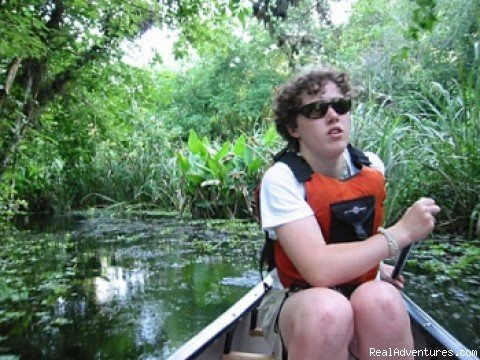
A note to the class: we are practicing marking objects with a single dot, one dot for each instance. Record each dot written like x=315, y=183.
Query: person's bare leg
x=316, y=324
x=381, y=321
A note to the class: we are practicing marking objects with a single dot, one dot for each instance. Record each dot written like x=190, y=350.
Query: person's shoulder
x=376, y=162
x=279, y=171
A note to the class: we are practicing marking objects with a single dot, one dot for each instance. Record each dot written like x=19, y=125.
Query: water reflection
x=116, y=283
x=120, y=284
x=150, y=323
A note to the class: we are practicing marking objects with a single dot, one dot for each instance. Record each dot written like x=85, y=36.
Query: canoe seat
x=237, y=355
x=257, y=332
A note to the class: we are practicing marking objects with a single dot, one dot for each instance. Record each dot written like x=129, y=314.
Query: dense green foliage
x=228, y=89
x=116, y=135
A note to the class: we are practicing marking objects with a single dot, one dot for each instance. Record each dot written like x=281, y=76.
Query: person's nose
x=331, y=116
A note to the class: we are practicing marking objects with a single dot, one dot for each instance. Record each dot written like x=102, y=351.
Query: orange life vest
x=346, y=210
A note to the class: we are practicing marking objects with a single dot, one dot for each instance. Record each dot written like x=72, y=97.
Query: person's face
x=328, y=135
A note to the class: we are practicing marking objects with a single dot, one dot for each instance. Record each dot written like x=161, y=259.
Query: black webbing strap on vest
x=300, y=168
x=358, y=157
x=302, y=172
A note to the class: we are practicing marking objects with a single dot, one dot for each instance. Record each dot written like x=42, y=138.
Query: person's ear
x=293, y=131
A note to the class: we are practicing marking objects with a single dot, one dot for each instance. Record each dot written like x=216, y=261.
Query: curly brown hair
x=287, y=99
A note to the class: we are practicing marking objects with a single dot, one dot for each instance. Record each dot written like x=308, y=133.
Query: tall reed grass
x=431, y=149
x=378, y=129
x=447, y=126
x=140, y=173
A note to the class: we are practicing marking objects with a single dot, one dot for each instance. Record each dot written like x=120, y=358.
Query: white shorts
x=269, y=310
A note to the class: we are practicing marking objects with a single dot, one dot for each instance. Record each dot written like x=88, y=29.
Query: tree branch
x=11, y=74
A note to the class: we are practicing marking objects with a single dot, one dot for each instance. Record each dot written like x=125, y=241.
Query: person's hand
x=386, y=275
x=417, y=222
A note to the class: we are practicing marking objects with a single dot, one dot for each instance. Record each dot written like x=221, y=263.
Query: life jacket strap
x=302, y=170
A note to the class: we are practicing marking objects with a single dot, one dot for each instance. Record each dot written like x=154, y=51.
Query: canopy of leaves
x=87, y=129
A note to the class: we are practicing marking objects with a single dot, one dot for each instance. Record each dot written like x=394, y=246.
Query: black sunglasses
x=318, y=109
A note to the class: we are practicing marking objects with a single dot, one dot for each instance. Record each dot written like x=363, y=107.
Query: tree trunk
x=28, y=117
x=10, y=78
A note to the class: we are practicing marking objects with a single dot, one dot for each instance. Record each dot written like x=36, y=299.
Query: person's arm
x=327, y=265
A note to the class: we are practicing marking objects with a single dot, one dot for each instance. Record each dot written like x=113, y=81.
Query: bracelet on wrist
x=393, y=248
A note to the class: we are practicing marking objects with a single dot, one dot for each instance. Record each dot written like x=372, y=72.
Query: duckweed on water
x=35, y=271
x=447, y=256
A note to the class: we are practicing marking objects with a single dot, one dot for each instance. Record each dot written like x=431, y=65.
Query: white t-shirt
x=282, y=197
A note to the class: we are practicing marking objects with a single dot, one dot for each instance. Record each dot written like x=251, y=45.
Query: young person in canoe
x=322, y=203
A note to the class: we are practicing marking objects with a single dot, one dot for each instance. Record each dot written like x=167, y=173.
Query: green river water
x=105, y=287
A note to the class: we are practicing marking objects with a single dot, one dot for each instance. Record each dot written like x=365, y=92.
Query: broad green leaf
x=239, y=146
x=248, y=155
x=197, y=165
x=270, y=137
x=214, y=167
x=223, y=151
x=183, y=162
x=195, y=179
x=195, y=145
x=254, y=165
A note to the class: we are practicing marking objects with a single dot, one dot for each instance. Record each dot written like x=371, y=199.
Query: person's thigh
x=316, y=323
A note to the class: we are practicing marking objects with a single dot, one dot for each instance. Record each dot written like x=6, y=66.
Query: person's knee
x=317, y=322
x=328, y=315
x=379, y=300
x=381, y=318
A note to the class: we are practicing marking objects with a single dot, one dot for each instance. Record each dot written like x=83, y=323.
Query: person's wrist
x=401, y=234
x=392, y=244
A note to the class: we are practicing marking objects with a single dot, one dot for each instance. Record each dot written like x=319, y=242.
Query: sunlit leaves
x=270, y=137
x=196, y=145
x=21, y=32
